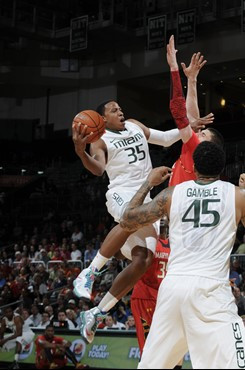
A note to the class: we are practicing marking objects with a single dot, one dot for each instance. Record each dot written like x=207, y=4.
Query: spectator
x=17, y=260
x=51, y=251
x=26, y=317
x=36, y=317
x=50, y=311
x=111, y=325
x=64, y=253
x=45, y=321
x=5, y=258
x=89, y=254
x=110, y=274
x=44, y=256
x=2, y=280
x=38, y=254
x=121, y=313
x=62, y=321
x=40, y=287
x=72, y=305
x=60, y=281
x=130, y=323
x=72, y=316
x=56, y=256
x=239, y=299
x=77, y=235
x=235, y=271
x=76, y=254
x=32, y=253
x=6, y=296
x=42, y=272
x=241, y=248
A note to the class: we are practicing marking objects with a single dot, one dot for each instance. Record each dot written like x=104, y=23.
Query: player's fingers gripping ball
x=94, y=122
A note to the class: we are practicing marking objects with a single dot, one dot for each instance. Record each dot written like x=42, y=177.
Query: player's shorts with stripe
x=26, y=338
x=199, y=314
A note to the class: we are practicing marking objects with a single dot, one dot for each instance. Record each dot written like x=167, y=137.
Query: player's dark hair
x=217, y=138
x=101, y=108
x=49, y=326
x=209, y=158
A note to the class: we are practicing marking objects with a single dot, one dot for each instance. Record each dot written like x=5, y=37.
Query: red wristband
x=178, y=110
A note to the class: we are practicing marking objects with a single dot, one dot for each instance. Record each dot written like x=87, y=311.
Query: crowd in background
x=41, y=255
x=39, y=272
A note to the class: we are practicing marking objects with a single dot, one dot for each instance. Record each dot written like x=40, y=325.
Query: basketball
x=94, y=122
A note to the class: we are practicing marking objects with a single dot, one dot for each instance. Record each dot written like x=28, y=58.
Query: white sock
x=107, y=302
x=16, y=357
x=99, y=261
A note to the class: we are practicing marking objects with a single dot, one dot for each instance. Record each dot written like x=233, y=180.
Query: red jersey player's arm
x=177, y=102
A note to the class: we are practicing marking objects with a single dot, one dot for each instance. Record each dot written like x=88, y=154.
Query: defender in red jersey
x=183, y=168
x=144, y=296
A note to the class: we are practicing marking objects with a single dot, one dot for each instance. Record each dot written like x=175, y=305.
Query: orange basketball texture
x=94, y=122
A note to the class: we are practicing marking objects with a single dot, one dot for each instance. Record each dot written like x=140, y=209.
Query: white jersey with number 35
x=128, y=160
x=202, y=229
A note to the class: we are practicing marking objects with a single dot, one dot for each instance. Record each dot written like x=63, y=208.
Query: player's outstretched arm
x=177, y=101
x=138, y=214
x=191, y=72
x=157, y=137
x=95, y=163
x=196, y=64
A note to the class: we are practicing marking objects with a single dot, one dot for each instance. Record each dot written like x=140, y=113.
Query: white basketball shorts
x=146, y=237
x=198, y=314
x=26, y=338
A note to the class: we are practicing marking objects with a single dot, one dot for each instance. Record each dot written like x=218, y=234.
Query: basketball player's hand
x=200, y=123
x=158, y=175
x=171, y=55
x=242, y=181
x=80, y=138
x=194, y=67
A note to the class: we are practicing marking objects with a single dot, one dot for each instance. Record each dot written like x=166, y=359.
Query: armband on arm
x=177, y=102
x=163, y=138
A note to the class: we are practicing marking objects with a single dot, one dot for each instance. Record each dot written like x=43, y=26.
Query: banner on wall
x=104, y=352
x=156, y=32
x=109, y=350
x=79, y=33
x=186, y=27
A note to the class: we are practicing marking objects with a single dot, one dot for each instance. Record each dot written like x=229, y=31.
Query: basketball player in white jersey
x=123, y=153
x=195, y=306
x=21, y=335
